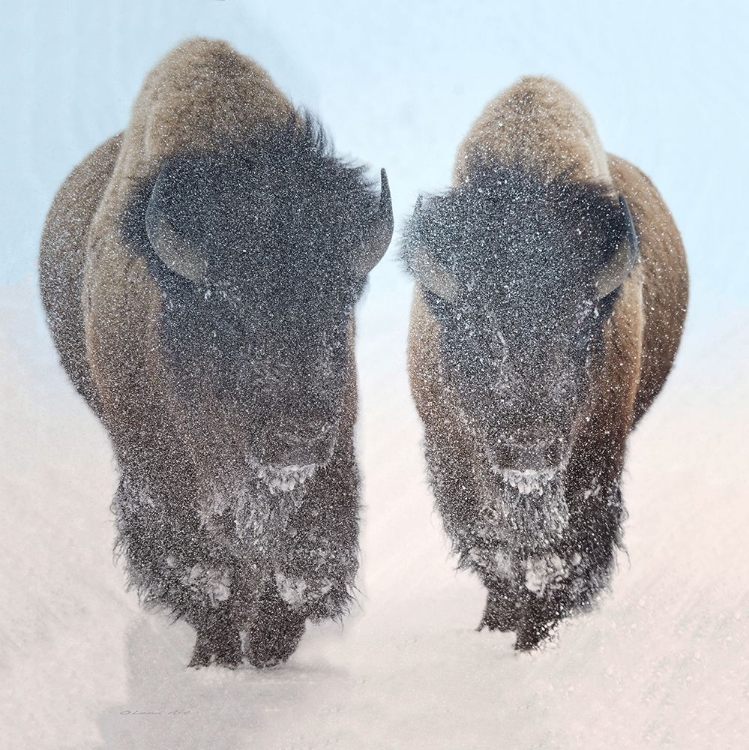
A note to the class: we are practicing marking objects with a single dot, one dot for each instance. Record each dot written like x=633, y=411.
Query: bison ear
x=624, y=258
x=175, y=252
x=378, y=231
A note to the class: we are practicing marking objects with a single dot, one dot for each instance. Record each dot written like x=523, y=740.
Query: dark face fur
x=519, y=337
x=258, y=349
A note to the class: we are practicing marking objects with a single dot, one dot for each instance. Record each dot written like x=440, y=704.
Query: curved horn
x=433, y=275
x=177, y=254
x=623, y=260
x=378, y=232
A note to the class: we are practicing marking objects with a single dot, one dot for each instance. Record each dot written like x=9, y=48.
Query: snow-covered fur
x=528, y=380
x=199, y=273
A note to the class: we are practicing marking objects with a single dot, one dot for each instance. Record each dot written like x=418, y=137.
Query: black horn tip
x=384, y=186
x=386, y=204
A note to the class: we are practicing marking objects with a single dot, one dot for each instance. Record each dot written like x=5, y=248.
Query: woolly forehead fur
x=281, y=208
x=507, y=228
x=540, y=124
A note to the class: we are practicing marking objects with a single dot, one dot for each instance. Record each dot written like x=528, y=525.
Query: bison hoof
x=270, y=643
x=222, y=648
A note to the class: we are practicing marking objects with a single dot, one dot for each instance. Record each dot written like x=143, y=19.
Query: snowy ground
x=663, y=662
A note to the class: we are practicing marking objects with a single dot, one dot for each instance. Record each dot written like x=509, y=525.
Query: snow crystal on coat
x=214, y=582
x=285, y=478
x=297, y=592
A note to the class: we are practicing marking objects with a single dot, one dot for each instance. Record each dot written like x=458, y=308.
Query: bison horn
x=433, y=275
x=176, y=253
x=378, y=232
x=623, y=260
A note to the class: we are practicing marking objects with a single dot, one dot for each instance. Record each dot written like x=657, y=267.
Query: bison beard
x=532, y=539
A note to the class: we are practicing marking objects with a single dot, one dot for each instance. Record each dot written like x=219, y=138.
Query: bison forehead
x=279, y=211
x=249, y=216
x=507, y=229
x=273, y=200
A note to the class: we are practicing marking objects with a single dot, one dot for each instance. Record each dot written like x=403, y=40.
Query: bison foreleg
x=501, y=611
x=218, y=642
x=275, y=630
x=175, y=565
x=315, y=574
x=570, y=579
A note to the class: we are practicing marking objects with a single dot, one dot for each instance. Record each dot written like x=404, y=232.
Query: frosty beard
x=522, y=517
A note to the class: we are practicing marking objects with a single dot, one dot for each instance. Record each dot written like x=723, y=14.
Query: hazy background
x=664, y=662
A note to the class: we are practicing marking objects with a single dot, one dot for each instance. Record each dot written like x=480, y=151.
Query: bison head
x=520, y=275
x=261, y=253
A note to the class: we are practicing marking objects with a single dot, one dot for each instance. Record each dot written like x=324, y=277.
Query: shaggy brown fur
x=247, y=596
x=541, y=127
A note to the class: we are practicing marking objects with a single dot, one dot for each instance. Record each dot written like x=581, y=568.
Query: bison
x=199, y=274
x=551, y=292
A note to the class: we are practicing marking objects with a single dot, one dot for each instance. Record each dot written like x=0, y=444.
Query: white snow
x=215, y=583
x=542, y=573
x=662, y=662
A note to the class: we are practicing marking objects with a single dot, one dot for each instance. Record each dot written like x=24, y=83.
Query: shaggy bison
x=199, y=273
x=550, y=299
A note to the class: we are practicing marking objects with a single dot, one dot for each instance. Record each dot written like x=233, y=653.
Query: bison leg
x=275, y=630
x=175, y=565
x=218, y=642
x=315, y=573
x=501, y=611
x=569, y=580
x=511, y=607
x=537, y=619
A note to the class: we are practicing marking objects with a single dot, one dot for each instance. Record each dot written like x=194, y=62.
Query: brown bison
x=199, y=273
x=550, y=299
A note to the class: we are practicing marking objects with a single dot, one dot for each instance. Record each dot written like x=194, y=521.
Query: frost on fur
x=521, y=535
x=284, y=478
x=297, y=592
x=214, y=583
x=522, y=512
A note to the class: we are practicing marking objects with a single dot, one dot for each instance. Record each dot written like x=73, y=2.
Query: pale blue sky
x=398, y=84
